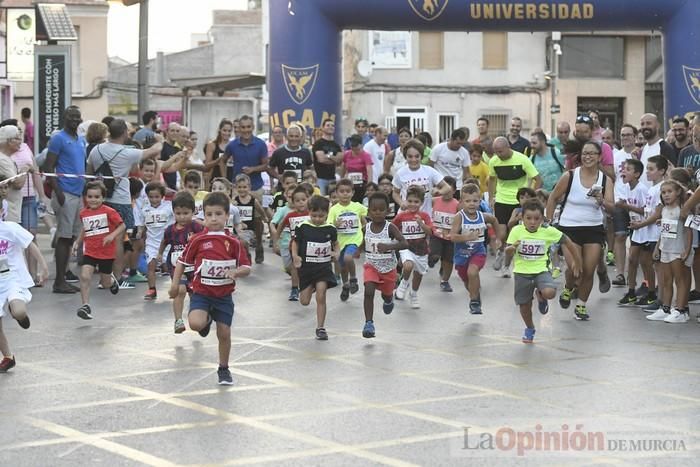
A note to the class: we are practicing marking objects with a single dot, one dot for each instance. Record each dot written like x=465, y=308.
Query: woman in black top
x=215, y=148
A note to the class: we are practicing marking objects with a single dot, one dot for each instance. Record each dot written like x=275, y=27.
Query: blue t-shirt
x=70, y=160
x=248, y=155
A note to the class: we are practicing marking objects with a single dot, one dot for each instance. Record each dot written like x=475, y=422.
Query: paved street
x=124, y=390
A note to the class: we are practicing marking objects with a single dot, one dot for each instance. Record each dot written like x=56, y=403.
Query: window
x=592, y=57
x=499, y=122
x=431, y=45
x=390, y=49
x=495, y=50
x=447, y=123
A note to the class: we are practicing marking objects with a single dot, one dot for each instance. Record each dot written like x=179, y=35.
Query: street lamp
x=552, y=75
x=143, y=53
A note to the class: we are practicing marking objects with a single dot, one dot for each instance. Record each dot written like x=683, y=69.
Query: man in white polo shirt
x=378, y=149
x=451, y=158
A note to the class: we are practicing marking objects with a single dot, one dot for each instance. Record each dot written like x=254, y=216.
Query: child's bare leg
x=417, y=279
x=197, y=319
x=294, y=272
x=4, y=345
x=86, y=272
x=223, y=333
x=321, y=288
x=179, y=302
x=370, y=287
x=407, y=270
x=473, y=281
x=526, y=314
x=305, y=295
x=152, y=274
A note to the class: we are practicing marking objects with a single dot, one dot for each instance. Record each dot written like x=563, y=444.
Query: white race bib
x=371, y=251
x=246, y=213
x=154, y=218
x=348, y=223
x=213, y=272
x=669, y=228
x=532, y=250
x=295, y=222
x=442, y=220
x=318, y=252
x=355, y=178
x=412, y=230
x=693, y=222
x=267, y=201
x=96, y=225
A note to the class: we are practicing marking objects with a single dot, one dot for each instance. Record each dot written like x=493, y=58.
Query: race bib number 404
x=215, y=272
x=412, y=230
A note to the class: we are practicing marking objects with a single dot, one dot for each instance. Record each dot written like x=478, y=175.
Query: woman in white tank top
x=585, y=193
x=395, y=159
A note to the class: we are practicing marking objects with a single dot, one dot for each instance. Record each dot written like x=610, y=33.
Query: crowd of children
x=203, y=241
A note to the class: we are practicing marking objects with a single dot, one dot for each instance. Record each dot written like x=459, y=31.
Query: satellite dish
x=364, y=68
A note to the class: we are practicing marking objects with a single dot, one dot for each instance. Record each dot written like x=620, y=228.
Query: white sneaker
x=676, y=317
x=401, y=290
x=505, y=272
x=498, y=262
x=413, y=298
x=658, y=315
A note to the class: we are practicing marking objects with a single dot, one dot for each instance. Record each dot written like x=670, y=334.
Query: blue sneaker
x=294, y=295
x=388, y=306
x=542, y=304
x=529, y=335
x=368, y=330
x=445, y=286
x=475, y=307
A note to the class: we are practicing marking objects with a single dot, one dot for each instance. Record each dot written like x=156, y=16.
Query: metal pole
x=555, y=76
x=143, y=57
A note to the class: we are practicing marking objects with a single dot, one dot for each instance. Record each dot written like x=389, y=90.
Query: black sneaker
x=205, y=332
x=24, y=322
x=85, y=312
x=645, y=300
x=629, y=299
x=354, y=286
x=321, y=334
x=225, y=378
x=694, y=296
x=619, y=281
x=345, y=293
x=114, y=288
x=71, y=278
x=603, y=282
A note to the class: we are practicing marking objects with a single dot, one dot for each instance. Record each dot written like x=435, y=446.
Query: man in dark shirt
x=690, y=155
x=517, y=142
x=327, y=155
x=170, y=148
x=680, y=134
x=291, y=156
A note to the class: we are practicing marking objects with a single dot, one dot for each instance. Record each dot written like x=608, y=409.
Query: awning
x=219, y=84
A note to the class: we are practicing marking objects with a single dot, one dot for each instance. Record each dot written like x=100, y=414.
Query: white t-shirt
x=620, y=157
x=378, y=153
x=651, y=232
x=155, y=219
x=13, y=240
x=636, y=197
x=647, y=152
x=449, y=162
x=425, y=176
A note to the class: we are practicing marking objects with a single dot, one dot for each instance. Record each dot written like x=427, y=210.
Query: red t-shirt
x=213, y=254
x=443, y=213
x=412, y=231
x=357, y=165
x=97, y=224
x=294, y=219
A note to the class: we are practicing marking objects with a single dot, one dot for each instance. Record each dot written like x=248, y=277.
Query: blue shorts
x=30, y=215
x=347, y=250
x=219, y=308
x=126, y=212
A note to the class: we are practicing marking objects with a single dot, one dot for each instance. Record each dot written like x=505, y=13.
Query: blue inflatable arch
x=305, y=76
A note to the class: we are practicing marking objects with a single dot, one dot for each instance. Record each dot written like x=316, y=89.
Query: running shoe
x=645, y=300
x=125, y=284
x=542, y=304
x=85, y=312
x=138, y=278
x=354, y=286
x=179, y=326
x=603, y=282
x=677, y=317
x=294, y=294
x=694, y=296
x=321, y=334
x=6, y=364
x=505, y=271
x=401, y=290
x=475, y=307
x=445, y=286
x=652, y=307
x=619, y=281
x=413, y=300
x=498, y=262
x=114, y=288
x=642, y=290
x=528, y=335
x=368, y=330
x=204, y=332
x=580, y=313
x=345, y=293
x=388, y=306
x=565, y=298
x=610, y=258
x=225, y=378
x=151, y=295
x=71, y=278
x=556, y=272
x=629, y=299
x=659, y=315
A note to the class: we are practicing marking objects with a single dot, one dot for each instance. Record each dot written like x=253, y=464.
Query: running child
x=291, y=221
x=382, y=240
x=674, y=251
x=349, y=217
x=310, y=178
x=192, y=184
x=315, y=244
x=369, y=190
x=15, y=280
x=441, y=247
x=289, y=178
x=152, y=220
x=386, y=187
x=102, y=228
x=175, y=238
x=415, y=226
x=218, y=259
x=529, y=246
x=222, y=185
x=251, y=214
x=468, y=233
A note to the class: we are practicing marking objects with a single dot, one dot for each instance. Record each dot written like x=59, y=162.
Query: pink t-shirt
x=357, y=164
x=22, y=158
x=606, y=158
x=443, y=213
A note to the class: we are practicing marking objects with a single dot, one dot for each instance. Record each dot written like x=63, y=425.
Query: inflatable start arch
x=305, y=76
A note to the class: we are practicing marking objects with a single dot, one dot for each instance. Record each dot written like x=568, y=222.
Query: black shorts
x=503, y=212
x=103, y=266
x=621, y=221
x=310, y=277
x=646, y=246
x=585, y=235
x=444, y=249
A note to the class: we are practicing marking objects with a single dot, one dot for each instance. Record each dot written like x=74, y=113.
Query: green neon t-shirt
x=532, y=254
x=350, y=226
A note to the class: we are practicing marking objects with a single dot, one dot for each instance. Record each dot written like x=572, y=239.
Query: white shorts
x=247, y=236
x=671, y=257
x=10, y=292
x=151, y=252
x=420, y=262
x=286, y=257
